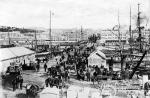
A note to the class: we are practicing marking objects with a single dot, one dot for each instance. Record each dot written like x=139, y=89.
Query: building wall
x=75, y=35
x=14, y=35
x=112, y=37
x=146, y=35
x=54, y=37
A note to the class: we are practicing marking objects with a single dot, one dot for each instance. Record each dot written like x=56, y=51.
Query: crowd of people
x=80, y=61
x=78, y=57
x=73, y=59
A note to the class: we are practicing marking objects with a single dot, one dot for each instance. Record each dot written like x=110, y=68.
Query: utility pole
x=81, y=33
x=119, y=37
x=8, y=37
x=35, y=41
x=76, y=32
x=139, y=27
x=122, y=56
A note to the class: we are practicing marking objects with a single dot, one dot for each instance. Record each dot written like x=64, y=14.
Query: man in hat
x=45, y=67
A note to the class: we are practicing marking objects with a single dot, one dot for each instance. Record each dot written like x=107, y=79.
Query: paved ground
x=39, y=78
x=29, y=76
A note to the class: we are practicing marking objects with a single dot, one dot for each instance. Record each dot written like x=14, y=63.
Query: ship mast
x=139, y=27
x=130, y=31
x=50, y=38
x=130, y=25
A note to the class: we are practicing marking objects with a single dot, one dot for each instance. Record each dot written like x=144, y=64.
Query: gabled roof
x=105, y=48
x=100, y=56
x=98, y=53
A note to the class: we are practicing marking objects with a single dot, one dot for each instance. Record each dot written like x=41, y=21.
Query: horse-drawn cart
x=11, y=74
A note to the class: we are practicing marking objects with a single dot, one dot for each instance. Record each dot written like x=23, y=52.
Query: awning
x=6, y=54
x=21, y=51
x=14, y=52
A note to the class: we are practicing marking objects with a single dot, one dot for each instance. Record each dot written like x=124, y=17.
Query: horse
x=49, y=82
x=146, y=88
x=32, y=90
x=52, y=71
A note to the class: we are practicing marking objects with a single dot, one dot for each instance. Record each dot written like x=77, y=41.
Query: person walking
x=17, y=82
x=21, y=81
x=38, y=67
x=47, y=82
x=14, y=83
x=88, y=75
x=94, y=76
x=45, y=67
x=66, y=75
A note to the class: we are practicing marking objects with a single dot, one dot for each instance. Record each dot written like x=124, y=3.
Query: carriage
x=11, y=73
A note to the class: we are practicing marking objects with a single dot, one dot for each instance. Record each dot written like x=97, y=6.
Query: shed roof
x=10, y=53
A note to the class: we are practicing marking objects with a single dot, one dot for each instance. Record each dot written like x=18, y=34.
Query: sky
x=70, y=13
